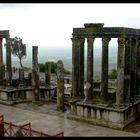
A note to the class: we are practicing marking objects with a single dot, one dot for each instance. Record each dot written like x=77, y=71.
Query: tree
x=113, y=74
x=53, y=68
x=18, y=48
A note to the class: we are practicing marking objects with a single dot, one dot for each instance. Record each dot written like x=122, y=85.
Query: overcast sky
x=51, y=24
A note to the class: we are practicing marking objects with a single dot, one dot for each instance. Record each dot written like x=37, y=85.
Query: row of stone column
x=128, y=67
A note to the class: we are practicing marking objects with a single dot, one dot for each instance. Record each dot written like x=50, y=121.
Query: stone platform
x=113, y=116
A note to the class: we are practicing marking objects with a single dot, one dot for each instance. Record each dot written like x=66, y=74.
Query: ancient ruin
x=101, y=109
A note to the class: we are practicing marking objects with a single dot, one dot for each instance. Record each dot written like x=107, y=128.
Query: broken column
x=89, y=84
x=8, y=62
x=35, y=74
x=47, y=73
x=60, y=86
x=104, y=73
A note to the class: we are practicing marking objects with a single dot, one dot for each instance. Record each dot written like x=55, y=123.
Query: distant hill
x=65, y=54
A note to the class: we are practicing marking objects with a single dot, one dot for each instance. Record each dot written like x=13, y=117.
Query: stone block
x=29, y=95
x=114, y=117
x=85, y=112
x=98, y=115
x=82, y=110
x=4, y=95
x=93, y=115
x=105, y=115
x=79, y=110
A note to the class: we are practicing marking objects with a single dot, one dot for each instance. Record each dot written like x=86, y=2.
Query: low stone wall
x=114, y=117
x=16, y=95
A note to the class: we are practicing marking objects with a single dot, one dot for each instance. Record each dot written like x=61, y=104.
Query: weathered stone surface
x=35, y=74
x=47, y=73
x=104, y=73
x=133, y=68
x=8, y=62
x=2, y=74
x=120, y=69
x=81, y=68
x=21, y=77
x=1, y=52
x=89, y=84
x=60, y=86
x=75, y=67
x=127, y=68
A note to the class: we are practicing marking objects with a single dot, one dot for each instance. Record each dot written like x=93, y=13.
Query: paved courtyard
x=47, y=119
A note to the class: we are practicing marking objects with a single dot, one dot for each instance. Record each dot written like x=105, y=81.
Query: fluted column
x=75, y=67
x=81, y=67
x=89, y=84
x=1, y=53
x=104, y=73
x=120, y=70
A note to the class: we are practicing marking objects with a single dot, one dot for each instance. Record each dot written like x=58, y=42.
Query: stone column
x=2, y=74
x=75, y=67
x=8, y=62
x=81, y=68
x=21, y=77
x=60, y=86
x=127, y=67
x=120, y=70
x=35, y=74
x=133, y=68
x=89, y=84
x=104, y=73
x=47, y=73
x=1, y=53
x=138, y=68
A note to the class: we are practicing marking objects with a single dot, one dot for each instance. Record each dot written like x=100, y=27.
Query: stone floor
x=47, y=119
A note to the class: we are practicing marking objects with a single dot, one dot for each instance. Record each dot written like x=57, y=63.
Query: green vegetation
x=113, y=74
x=18, y=48
x=53, y=68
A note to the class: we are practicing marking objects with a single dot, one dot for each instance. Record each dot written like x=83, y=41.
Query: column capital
x=105, y=41
x=90, y=39
x=121, y=41
x=78, y=40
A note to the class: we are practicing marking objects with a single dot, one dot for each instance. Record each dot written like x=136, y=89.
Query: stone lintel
x=113, y=32
x=94, y=25
x=4, y=33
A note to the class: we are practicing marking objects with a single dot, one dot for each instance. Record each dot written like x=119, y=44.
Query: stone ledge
x=119, y=126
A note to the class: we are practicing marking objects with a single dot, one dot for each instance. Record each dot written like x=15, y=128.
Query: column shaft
x=120, y=70
x=133, y=68
x=35, y=74
x=75, y=67
x=138, y=68
x=89, y=84
x=1, y=53
x=104, y=73
x=127, y=67
x=8, y=62
x=81, y=68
